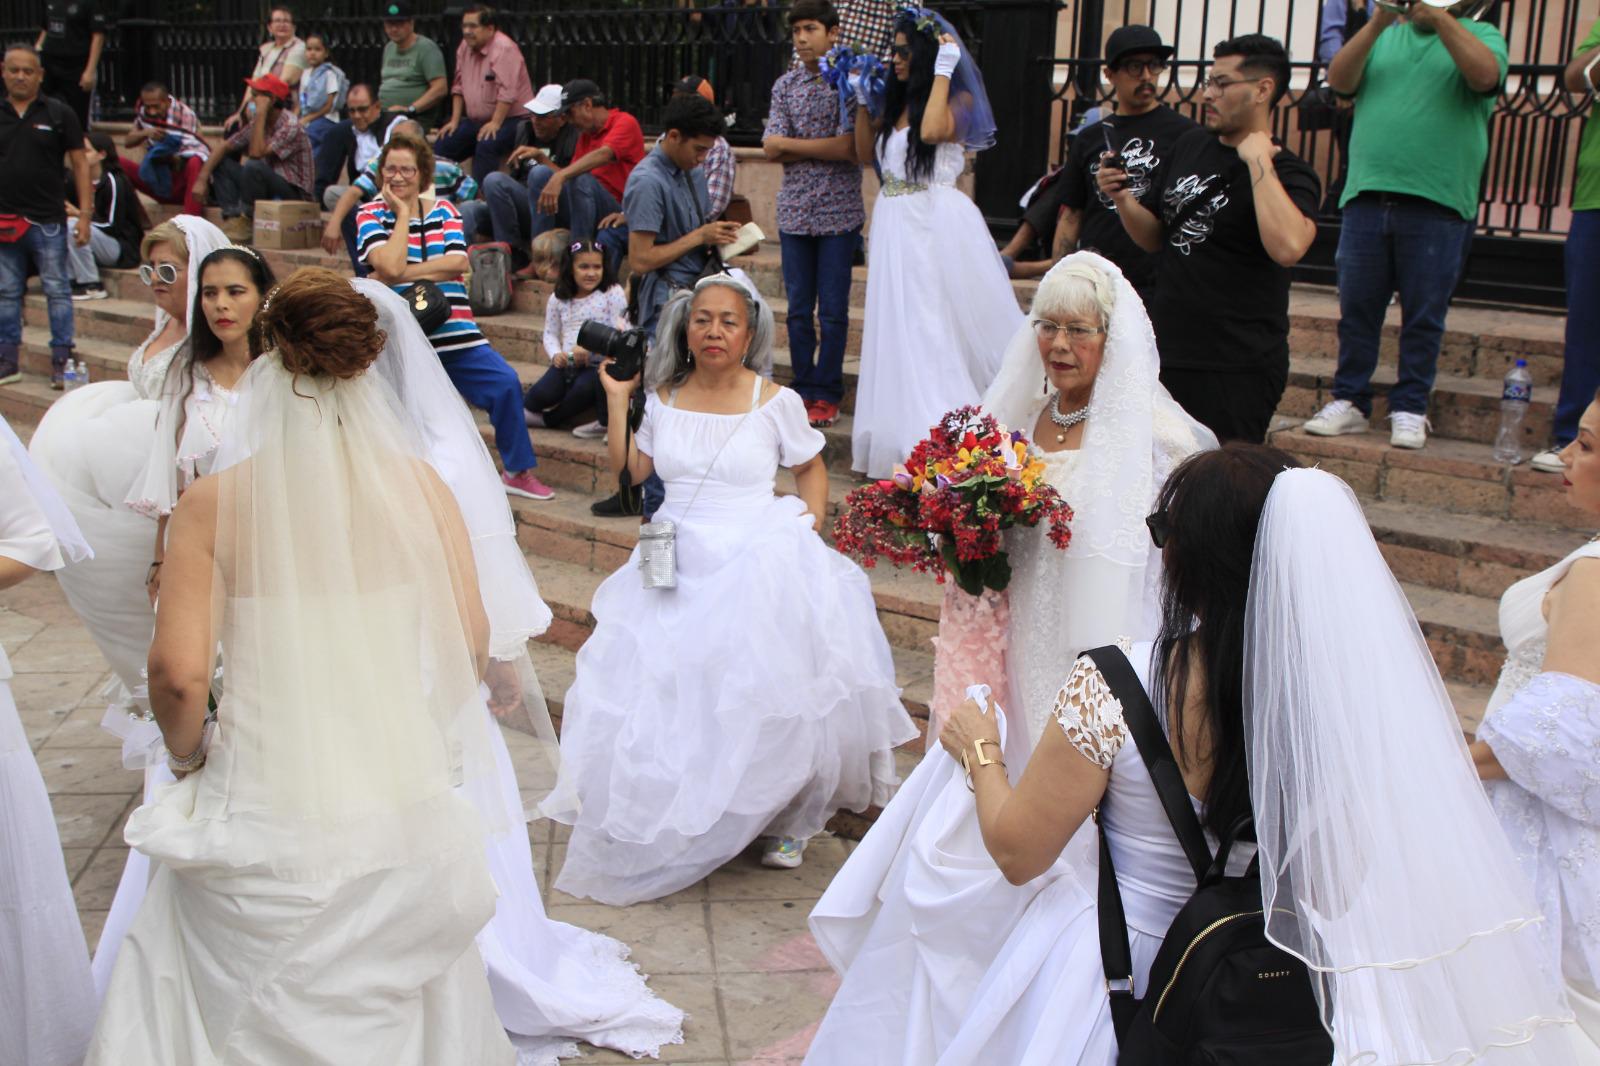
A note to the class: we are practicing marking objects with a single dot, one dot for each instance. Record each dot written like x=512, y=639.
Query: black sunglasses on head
x=1160, y=527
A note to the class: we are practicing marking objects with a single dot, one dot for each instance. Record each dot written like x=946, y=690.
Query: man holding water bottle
x=1424, y=75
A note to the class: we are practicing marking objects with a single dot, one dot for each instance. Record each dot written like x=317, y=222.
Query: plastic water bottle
x=69, y=376
x=1515, y=396
x=83, y=372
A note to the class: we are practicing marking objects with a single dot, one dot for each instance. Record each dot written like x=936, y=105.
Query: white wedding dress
x=46, y=995
x=757, y=697
x=1544, y=728
x=939, y=308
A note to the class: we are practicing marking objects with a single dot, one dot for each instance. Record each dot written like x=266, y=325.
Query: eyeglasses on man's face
x=1216, y=85
x=1141, y=67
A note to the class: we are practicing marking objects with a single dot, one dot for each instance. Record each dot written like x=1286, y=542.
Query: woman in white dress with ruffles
x=939, y=304
x=757, y=696
x=1537, y=748
x=1086, y=356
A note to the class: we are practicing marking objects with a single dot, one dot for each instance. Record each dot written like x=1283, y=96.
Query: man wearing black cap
x=1071, y=207
x=610, y=145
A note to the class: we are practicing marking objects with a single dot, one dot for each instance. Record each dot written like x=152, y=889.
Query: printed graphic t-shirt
x=1144, y=141
x=1220, y=301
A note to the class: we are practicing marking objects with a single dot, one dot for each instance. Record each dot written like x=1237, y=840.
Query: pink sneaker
x=527, y=485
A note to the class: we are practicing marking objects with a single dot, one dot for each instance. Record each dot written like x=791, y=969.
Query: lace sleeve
x=1090, y=715
x=1547, y=737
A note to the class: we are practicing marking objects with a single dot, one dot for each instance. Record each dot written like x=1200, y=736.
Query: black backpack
x=1220, y=993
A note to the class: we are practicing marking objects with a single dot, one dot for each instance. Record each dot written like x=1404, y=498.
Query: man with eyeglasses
x=1425, y=85
x=1227, y=213
x=1070, y=211
x=353, y=144
x=489, y=97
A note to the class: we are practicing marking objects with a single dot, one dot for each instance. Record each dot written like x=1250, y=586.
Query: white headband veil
x=1382, y=864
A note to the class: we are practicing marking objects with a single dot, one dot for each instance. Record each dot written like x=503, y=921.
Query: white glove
x=944, y=64
x=858, y=84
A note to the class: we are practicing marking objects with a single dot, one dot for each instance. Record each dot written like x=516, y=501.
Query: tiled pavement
x=732, y=950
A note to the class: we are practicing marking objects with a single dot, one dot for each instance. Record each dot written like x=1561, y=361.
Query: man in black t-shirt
x=70, y=41
x=1070, y=206
x=39, y=137
x=1227, y=214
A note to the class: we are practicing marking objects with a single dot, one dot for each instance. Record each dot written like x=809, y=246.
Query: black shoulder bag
x=428, y=303
x=1219, y=992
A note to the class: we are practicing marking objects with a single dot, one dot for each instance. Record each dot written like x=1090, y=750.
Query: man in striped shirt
x=174, y=151
x=405, y=239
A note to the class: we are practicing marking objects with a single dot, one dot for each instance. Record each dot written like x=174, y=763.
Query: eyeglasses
x=901, y=50
x=1047, y=330
x=166, y=273
x=399, y=172
x=1141, y=66
x=1216, y=85
x=1160, y=527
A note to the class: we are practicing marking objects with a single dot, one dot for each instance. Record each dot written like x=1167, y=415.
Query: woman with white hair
x=1080, y=378
x=751, y=692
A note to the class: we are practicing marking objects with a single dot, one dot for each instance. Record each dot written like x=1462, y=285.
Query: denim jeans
x=581, y=206
x=563, y=399
x=1410, y=247
x=816, y=275
x=510, y=212
x=462, y=145
x=46, y=246
x=101, y=251
x=474, y=219
x=1580, y=373
x=487, y=381
x=155, y=169
x=237, y=186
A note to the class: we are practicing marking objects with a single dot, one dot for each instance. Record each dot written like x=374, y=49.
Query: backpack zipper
x=1178, y=969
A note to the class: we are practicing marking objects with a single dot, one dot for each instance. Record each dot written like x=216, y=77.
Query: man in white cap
x=548, y=141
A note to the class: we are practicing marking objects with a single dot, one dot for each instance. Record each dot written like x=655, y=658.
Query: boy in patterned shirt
x=820, y=210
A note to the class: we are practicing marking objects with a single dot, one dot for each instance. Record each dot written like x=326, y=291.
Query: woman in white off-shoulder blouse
x=1268, y=703
x=1539, y=747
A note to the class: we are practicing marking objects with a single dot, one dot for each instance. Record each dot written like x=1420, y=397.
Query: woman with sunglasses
x=939, y=304
x=93, y=444
x=1080, y=378
x=1300, y=707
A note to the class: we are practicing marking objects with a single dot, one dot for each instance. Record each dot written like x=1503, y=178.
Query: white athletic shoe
x=1548, y=462
x=1336, y=418
x=1408, y=430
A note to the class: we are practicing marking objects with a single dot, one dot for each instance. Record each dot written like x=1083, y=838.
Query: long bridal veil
x=1382, y=864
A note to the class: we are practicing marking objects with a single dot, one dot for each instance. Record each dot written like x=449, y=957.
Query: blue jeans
x=46, y=246
x=474, y=219
x=317, y=131
x=463, y=145
x=487, y=381
x=236, y=186
x=1411, y=247
x=563, y=400
x=510, y=212
x=155, y=169
x=613, y=240
x=581, y=206
x=816, y=275
x=1580, y=373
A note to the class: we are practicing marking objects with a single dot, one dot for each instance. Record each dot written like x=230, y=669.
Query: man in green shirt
x=412, y=79
x=1424, y=84
x=1580, y=373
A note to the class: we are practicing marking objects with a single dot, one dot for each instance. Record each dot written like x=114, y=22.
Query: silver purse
x=658, y=555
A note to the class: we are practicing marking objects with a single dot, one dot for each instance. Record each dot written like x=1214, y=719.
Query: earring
x=689, y=356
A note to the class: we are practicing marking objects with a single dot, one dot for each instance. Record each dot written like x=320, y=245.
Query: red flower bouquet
x=945, y=509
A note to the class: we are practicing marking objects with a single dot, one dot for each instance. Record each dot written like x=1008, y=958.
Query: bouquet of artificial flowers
x=844, y=60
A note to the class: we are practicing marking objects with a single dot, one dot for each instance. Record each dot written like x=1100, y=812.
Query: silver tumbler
x=658, y=555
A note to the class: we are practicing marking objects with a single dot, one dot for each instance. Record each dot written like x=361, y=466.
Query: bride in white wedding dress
x=896, y=913
x=939, y=304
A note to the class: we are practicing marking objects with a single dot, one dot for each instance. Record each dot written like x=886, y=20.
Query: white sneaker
x=1548, y=462
x=589, y=431
x=784, y=853
x=1408, y=430
x=1336, y=418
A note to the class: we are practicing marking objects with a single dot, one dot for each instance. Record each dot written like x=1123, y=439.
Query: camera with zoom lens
x=625, y=347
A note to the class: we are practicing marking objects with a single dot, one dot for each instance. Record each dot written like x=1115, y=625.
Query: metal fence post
x=1018, y=42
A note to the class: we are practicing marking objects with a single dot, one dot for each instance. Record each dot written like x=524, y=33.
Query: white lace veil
x=1106, y=584
x=1382, y=864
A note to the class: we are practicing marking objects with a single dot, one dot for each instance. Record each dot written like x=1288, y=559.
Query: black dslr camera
x=626, y=347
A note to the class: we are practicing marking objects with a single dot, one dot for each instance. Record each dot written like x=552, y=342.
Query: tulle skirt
x=46, y=997
x=93, y=444
x=940, y=312
x=756, y=697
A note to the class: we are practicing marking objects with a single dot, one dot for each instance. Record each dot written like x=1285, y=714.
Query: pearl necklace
x=1065, y=422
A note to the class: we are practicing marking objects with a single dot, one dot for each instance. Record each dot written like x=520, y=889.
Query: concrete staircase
x=1456, y=527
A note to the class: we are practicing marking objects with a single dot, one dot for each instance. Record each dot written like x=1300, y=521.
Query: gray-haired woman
x=757, y=696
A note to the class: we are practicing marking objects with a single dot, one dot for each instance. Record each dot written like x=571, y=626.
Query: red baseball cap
x=272, y=85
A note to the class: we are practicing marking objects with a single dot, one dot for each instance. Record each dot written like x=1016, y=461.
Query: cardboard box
x=283, y=224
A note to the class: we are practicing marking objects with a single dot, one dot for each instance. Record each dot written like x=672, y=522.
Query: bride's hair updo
x=321, y=326
x=1073, y=291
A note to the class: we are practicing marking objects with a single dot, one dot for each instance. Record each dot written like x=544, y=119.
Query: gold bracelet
x=983, y=760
